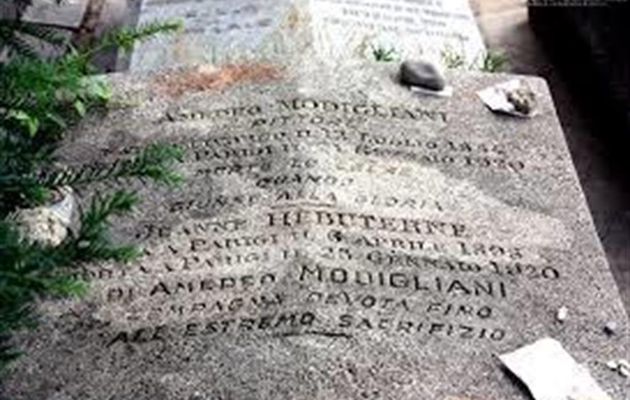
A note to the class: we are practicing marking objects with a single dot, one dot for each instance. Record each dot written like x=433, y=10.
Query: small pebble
x=423, y=74
x=563, y=313
x=610, y=328
x=623, y=364
x=625, y=372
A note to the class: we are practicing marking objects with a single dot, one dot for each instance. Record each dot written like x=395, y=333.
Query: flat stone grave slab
x=337, y=237
x=334, y=31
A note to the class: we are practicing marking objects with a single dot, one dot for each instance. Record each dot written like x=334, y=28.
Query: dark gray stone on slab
x=337, y=237
x=423, y=74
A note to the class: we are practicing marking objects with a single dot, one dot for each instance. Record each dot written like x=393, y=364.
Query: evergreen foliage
x=490, y=61
x=382, y=54
x=14, y=34
x=39, y=100
x=153, y=162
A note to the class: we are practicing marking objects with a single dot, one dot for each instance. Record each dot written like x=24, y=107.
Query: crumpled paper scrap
x=497, y=98
x=551, y=373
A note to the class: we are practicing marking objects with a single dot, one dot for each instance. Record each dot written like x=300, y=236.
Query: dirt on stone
x=214, y=78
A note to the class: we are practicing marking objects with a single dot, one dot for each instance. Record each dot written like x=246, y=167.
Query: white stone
x=562, y=314
x=611, y=328
x=41, y=225
x=48, y=225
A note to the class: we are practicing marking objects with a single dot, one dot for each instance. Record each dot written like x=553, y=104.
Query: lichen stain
x=181, y=52
x=293, y=19
x=211, y=78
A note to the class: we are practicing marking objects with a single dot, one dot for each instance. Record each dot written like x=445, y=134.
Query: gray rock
x=423, y=74
x=611, y=328
x=523, y=99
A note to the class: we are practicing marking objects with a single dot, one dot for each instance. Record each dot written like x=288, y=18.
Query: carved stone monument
x=411, y=28
x=221, y=32
x=337, y=237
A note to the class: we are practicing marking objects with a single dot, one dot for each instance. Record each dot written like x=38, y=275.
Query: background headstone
x=412, y=28
x=67, y=14
x=333, y=31
x=337, y=237
x=219, y=32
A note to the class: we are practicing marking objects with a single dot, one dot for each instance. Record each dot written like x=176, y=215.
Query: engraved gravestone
x=66, y=14
x=413, y=28
x=337, y=237
x=218, y=31
x=333, y=31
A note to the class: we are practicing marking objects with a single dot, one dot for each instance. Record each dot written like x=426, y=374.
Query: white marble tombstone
x=333, y=31
x=412, y=28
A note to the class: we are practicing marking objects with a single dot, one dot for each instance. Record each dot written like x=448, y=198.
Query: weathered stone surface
x=337, y=237
x=332, y=31
x=221, y=32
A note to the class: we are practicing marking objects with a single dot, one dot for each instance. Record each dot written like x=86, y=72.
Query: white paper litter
x=562, y=314
x=495, y=97
x=551, y=373
x=613, y=365
x=446, y=92
x=65, y=209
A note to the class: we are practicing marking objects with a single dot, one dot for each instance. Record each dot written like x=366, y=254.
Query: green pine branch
x=125, y=39
x=155, y=162
x=41, y=96
x=39, y=101
x=15, y=35
x=19, y=186
x=31, y=271
x=93, y=243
